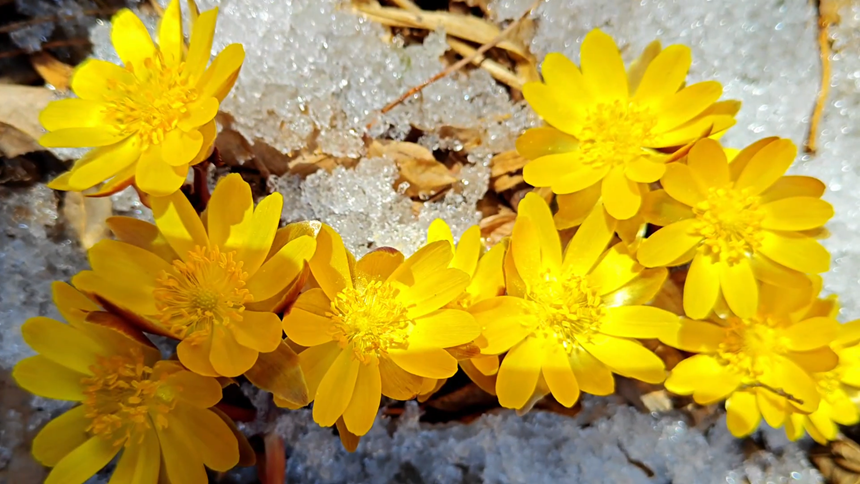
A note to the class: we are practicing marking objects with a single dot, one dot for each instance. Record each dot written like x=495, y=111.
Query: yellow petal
x=592, y=376
x=364, y=404
x=547, y=170
x=824, y=425
x=260, y=233
x=743, y=157
x=445, y=328
x=559, y=375
x=214, y=440
x=686, y=104
x=695, y=336
x=787, y=376
x=680, y=184
x=640, y=290
x=83, y=462
x=426, y=261
x=815, y=361
x=796, y=213
x=739, y=287
x=103, y=163
x=379, y=264
x=525, y=248
x=131, y=39
x=200, y=48
x=535, y=208
x=228, y=356
x=72, y=113
x=209, y=132
x=179, y=223
x=280, y=373
x=770, y=272
x=795, y=251
x=199, y=113
x=644, y=171
x=124, y=294
x=468, y=250
x=91, y=79
x=221, y=74
x=549, y=105
x=668, y=244
x=502, y=319
x=258, y=330
x=282, y=269
x=179, y=454
x=615, y=269
x=767, y=166
x=589, y=242
x=330, y=265
x=141, y=234
x=603, y=68
x=180, y=147
x=397, y=383
x=336, y=388
x=194, y=354
x=844, y=412
x=155, y=177
x=196, y=390
x=63, y=344
x=664, y=75
x=439, y=230
x=231, y=213
x=538, y=142
x=484, y=382
x=793, y=186
x=702, y=287
x=627, y=358
x=811, y=334
x=567, y=83
x=315, y=363
x=772, y=408
x=487, y=365
x=708, y=164
x=127, y=263
x=578, y=180
x=73, y=305
x=170, y=40
x=638, y=322
x=519, y=373
x=700, y=373
x=425, y=361
x=43, y=377
x=433, y=292
x=573, y=208
x=82, y=137
x=489, y=278
x=636, y=69
x=140, y=461
x=742, y=414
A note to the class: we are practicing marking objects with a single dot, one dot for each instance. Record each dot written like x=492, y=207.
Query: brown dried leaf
x=279, y=372
x=53, y=71
x=496, y=227
x=348, y=439
x=506, y=182
x=88, y=215
x=425, y=177
x=276, y=459
x=838, y=462
x=19, y=111
x=507, y=162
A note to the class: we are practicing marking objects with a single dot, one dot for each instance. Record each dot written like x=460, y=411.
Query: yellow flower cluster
x=544, y=312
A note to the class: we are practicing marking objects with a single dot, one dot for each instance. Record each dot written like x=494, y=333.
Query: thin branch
x=46, y=45
x=54, y=18
x=777, y=391
x=457, y=65
x=827, y=16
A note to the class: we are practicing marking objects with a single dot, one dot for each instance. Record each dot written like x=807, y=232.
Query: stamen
x=751, y=344
x=567, y=309
x=730, y=222
x=615, y=133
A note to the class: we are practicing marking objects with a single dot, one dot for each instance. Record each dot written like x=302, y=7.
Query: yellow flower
x=610, y=131
x=152, y=411
x=761, y=364
x=739, y=222
x=569, y=320
x=376, y=327
x=150, y=120
x=487, y=279
x=214, y=287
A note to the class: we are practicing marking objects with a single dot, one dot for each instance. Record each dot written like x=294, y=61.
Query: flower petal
x=180, y=147
x=535, y=207
x=228, y=356
x=425, y=361
x=664, y=75
x=200, y=48
x=170, y=39
x=702, y=287
x=518, y=375
x=589, y=242
x=559, y=375
x=43, y=377
x=140, y=462
x=179, y=223
x=793, y=186
x=378, y=265
x=179, y=453
x=102, y=163
x=603, y=68
x=742, y=416
x=397, y=383
x=787, y=376
x=434, y=291
x=92, y=77
x=686, y=104
x=795, y=251
x=306, y=322
x=811, y=334
x=592, y=375
x=770, y=272
x=538, y=142
x=336, y=388
x=638, y=322
x=315, y=363
x=364, y=404
x=231, y=213
x=796, y=213
x=680, y=184
x=767, y=166
x=503, y=320
x=615, y=269
x=425, y=262
x=567, y=82
x=620, y=195
x=217, y=445
x=739, y=287
x=63, y=344
x=703, y=377
x=627, y=358
x=155, y=177
x=260, y=233
x=556, y=109
x=282, y=269
x=578, y=180
x=695, y=336
x=445, y=328
x=83, y=462
x=141, y=234
x=194, y=354
x=131, y=39
x=573, y=208
x=330, y=265
x=258, y=330
x=640, y=290
x=83, y=137
x=72, y=113
x=772, y=408
x=525, y=249
x=196, y=390
x=127, y=263
x=708, y=164
x=668, y=244
x=547, y=170
x=217, y=80
x=644, y=170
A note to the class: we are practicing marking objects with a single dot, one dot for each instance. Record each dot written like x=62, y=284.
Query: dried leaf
x=279, y=372
x=838, y=462
x=496, y=227
x=14, y=142
x=53, y=71
x=507, y=162
x=348, y=439
x=426, y=177
x=507, y=182
x=87, y=215
x=276, y=459
x=19, y=111
x=468, y=396
x=657, y=401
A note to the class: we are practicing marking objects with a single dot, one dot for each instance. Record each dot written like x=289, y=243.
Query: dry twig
x=827, y=16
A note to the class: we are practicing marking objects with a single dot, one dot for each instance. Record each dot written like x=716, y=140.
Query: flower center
x=371, y=319
x=730, y=222
x=121, y=399
x=208, y=288
x=751, y=344
x=153, y=104
x=615, y=133
x=567, y=309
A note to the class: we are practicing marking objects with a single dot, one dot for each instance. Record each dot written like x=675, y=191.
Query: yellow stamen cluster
x=154, y=103
x=751, y=344
x=123, y=401
x=730, y=222
x=207, y=288
x=615, y=133
x=371, y=319
x=567, y=309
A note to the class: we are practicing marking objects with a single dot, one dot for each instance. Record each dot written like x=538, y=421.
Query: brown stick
x=777, y=391
x=456, y=66
x=46, y=45
x=54, y=18
x=827, y=16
